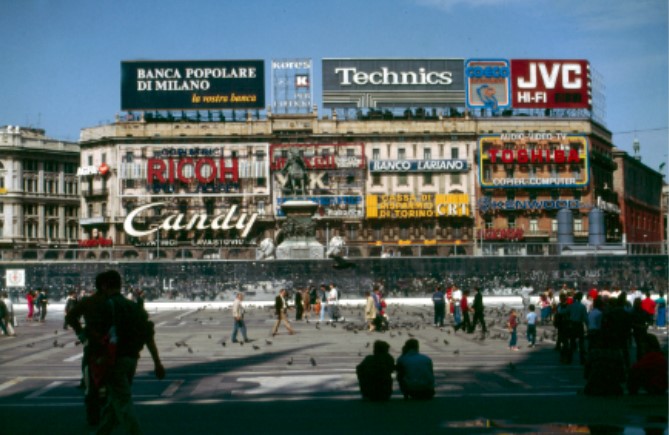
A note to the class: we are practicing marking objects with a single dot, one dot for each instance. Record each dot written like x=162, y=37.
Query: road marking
x=74, y=358
x=46, y=389
x=172, y=388
x=11, y=383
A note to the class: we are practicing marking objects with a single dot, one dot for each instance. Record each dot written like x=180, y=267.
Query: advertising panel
x=193, y=170
x=404, y=166
x=392, y=82
x=15, y=278
x=488, y=83
x=291, y=85
x=409, y=206
x=551, y=84
x=193, y=85
x=333, y=176
x=533, y=160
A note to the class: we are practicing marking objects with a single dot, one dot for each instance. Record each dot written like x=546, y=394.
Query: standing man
x=466, y=324
x=323, y=296
x=70, y=302
x=238, y=314
x=42, y=301
x=133, y=330
x=439, y=301
x=414, y=372
x=333, y=298
x=280, y=309
x=578, y=321
x=299, y=308
x=478, y=312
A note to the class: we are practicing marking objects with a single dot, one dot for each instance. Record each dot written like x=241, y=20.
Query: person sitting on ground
x=650, y=371
x=375, y=373
x=414, y=372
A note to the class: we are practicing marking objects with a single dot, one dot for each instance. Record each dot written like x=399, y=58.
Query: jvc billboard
x=393, y=82
x=192, y=85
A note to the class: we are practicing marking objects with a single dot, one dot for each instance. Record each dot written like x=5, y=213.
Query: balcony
x=95, y=193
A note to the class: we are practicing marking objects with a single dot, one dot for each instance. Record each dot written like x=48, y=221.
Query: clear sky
x=60, y=59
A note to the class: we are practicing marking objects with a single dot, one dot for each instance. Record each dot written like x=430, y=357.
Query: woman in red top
x=30, y=298
x=466, y=324
x=512, y=325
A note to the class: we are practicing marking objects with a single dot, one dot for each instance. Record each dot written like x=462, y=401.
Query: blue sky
x=60, y=59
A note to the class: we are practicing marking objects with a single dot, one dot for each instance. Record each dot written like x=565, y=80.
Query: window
x=401, y=153
x=402, y=180
x=534, y=225
x=554, y=226
x=511, y=221
x=90, y=160
x=488, y=222
x=104, y=158
x=455, y=153
x=377, y=232
x=427, y=179
x=261, y=208
x=352, y=231
x=376, y=154
x=129, y=157
x=350, y=152
x=510, y=194
x=376, y=179
x=427, y=154
x=429, y=231
x=455, y=179
x=578, y=224
x=509, y=172
x=404, y=232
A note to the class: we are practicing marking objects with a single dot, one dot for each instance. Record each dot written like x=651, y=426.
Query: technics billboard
x=192, y=85
x=393, y=82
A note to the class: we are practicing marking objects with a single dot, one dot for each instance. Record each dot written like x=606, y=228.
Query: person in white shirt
x=333, y=302
x=238, y=315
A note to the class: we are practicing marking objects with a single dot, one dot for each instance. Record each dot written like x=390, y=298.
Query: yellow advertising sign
x=409, y=206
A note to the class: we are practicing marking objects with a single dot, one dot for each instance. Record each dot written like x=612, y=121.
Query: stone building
x=39, y=195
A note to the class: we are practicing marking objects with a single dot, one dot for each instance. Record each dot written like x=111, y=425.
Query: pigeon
x=55, y=343
x=290, y=361
x=241, y=343
x=209, y=335
x=456, y=352
x=446, y=342
x=30, y=345
x=190, y=350
x=312, y=361
x=410, y=335
x=256, y=347
x=355, y=331
x=55, y=332
x=318, y=327
x=223, y=343
x=367, y=345
x=269, y=342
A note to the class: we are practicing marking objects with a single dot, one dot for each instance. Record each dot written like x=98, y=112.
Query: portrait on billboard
x=488, y=84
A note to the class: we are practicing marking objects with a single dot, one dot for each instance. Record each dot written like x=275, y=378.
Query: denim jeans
x=239, y=325
x=514, y=338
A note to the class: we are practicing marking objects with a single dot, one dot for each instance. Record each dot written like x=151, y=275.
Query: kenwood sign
x=392, y=82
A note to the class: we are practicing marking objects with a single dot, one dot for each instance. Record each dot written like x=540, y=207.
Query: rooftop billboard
x=392, y=82
x=551, y=84
x=193, y=85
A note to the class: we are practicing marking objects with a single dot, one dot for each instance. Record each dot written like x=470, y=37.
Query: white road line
x=172, y=388
x=11, y=383
x=74, y=358
x=46, y=389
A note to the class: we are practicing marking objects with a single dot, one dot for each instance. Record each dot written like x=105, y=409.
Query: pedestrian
x=649, y=306
x=531, y=318
x=639, y=318
x=545, y=307
x=512, y=326
x=375, y=373
x=415, y=373
x=238, y=315
x=578, y=321
x=280, y=309
x=306, y=302
x=478, y=312
x=561, y=323
x=661, y=315
x=70, y=302
x=370, y=310
x=3, y=317
x=132, y=330
x=323, y=297
x=457, y=311
x=10, y=320
x=333, y=302
x=439, y=302
x=30, y=300
x=466, y=324
x=43, y=302
x=595, y=324
x=299, y=308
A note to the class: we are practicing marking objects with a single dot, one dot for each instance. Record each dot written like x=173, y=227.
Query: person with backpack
x=130, y=330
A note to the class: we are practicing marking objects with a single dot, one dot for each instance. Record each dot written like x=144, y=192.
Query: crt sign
x=551, y=84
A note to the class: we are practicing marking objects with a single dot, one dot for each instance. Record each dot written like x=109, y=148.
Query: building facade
x=39, y=193
x=388, y=187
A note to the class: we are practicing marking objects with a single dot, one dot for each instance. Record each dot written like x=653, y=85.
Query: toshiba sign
x=551, y=84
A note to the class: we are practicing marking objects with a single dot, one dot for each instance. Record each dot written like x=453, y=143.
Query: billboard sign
x=404, y=166
x=392, y=82
x=410, y=206
x=292, y=86
x=533, y=160
x=194, y=170
x=193, y=85
x=15, y=278
x=335, y=177
x=551, y=84
x=488, y=83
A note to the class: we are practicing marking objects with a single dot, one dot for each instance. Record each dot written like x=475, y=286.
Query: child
x=512, y=324
x=531, y=318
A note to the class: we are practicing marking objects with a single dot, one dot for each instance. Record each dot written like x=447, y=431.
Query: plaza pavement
x=306, y=383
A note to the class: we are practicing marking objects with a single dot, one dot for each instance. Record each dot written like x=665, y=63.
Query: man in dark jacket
x=375, y=373
x=439, y=301
x=478, y=312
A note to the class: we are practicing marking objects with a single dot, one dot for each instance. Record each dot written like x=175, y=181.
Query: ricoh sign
x=392, y=82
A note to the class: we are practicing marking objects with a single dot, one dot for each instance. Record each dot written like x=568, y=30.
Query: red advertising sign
x=551, y=84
